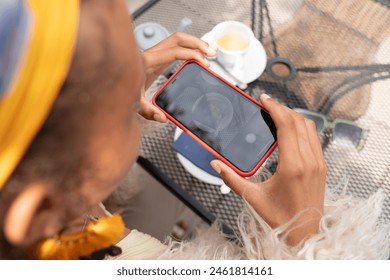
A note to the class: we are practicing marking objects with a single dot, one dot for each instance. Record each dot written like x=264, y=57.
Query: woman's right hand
x=298, y=184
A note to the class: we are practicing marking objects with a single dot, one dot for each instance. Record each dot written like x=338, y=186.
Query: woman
x=69, y=133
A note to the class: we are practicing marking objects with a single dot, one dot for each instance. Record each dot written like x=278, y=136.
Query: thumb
x=237, y=183
x=151, y=112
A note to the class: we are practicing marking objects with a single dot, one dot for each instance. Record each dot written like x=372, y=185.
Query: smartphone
x=229, y=123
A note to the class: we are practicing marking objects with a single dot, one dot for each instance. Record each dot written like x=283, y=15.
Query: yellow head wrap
x=40, y=74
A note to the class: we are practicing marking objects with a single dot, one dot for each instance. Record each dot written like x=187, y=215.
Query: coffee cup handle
x=232, y=63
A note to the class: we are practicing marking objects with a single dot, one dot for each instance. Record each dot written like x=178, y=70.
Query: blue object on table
x=194, y=152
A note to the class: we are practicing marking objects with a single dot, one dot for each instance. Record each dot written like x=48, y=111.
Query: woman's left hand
x=179, y=46
x=295, y=193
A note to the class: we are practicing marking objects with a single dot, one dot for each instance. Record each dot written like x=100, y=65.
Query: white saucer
x=194, y=170
x=255, y=61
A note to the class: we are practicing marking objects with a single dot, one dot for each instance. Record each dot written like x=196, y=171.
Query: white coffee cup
x=233, y=39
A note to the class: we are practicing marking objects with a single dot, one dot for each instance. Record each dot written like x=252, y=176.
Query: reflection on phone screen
x=231, y=124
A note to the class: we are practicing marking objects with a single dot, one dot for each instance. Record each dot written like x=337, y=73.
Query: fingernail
x=211, y=51
x=265, y=96
x=215, y=166
x=206, y=62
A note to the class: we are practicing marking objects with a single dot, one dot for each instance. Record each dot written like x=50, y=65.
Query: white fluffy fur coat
x=351, y=228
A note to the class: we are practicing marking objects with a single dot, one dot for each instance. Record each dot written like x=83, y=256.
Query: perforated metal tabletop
x=340, y=51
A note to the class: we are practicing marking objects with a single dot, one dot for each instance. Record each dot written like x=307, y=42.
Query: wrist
x=305, y=225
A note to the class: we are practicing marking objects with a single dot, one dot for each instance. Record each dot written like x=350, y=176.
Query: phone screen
x=231, y=124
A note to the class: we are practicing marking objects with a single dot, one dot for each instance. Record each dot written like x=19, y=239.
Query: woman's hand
x=298, y=184
x=179, y=46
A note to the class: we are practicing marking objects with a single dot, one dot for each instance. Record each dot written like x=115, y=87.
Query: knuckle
x=299, y=119
x=179, y=35
x=317, y=168
x=323, y=168
x=313, y=167
x=298, y=171
x=311, y=124
x=227, y=179
x=174, y=35
x=296, y=115
x=286, y=122
x=230, y=179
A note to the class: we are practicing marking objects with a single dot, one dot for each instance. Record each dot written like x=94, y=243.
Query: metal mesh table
x=339, y=67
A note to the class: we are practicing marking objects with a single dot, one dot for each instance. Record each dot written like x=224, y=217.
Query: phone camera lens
x=250, y=138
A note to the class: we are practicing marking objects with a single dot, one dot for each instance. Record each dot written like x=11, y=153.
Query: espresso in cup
x=232, y=39
x=232, y=42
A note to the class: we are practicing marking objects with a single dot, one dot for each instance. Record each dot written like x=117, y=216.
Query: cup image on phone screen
x=226, y=121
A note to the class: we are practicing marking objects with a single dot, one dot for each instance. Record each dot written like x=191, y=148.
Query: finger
x=278, y=112
x=304, y=142
x=253, y=193
x=177, y=53
x=237, y=183
x=187, y=41
x=315, y=141
x=150, y=112
x=285, y=128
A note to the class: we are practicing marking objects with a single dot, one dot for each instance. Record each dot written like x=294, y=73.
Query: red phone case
x=220, y=157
